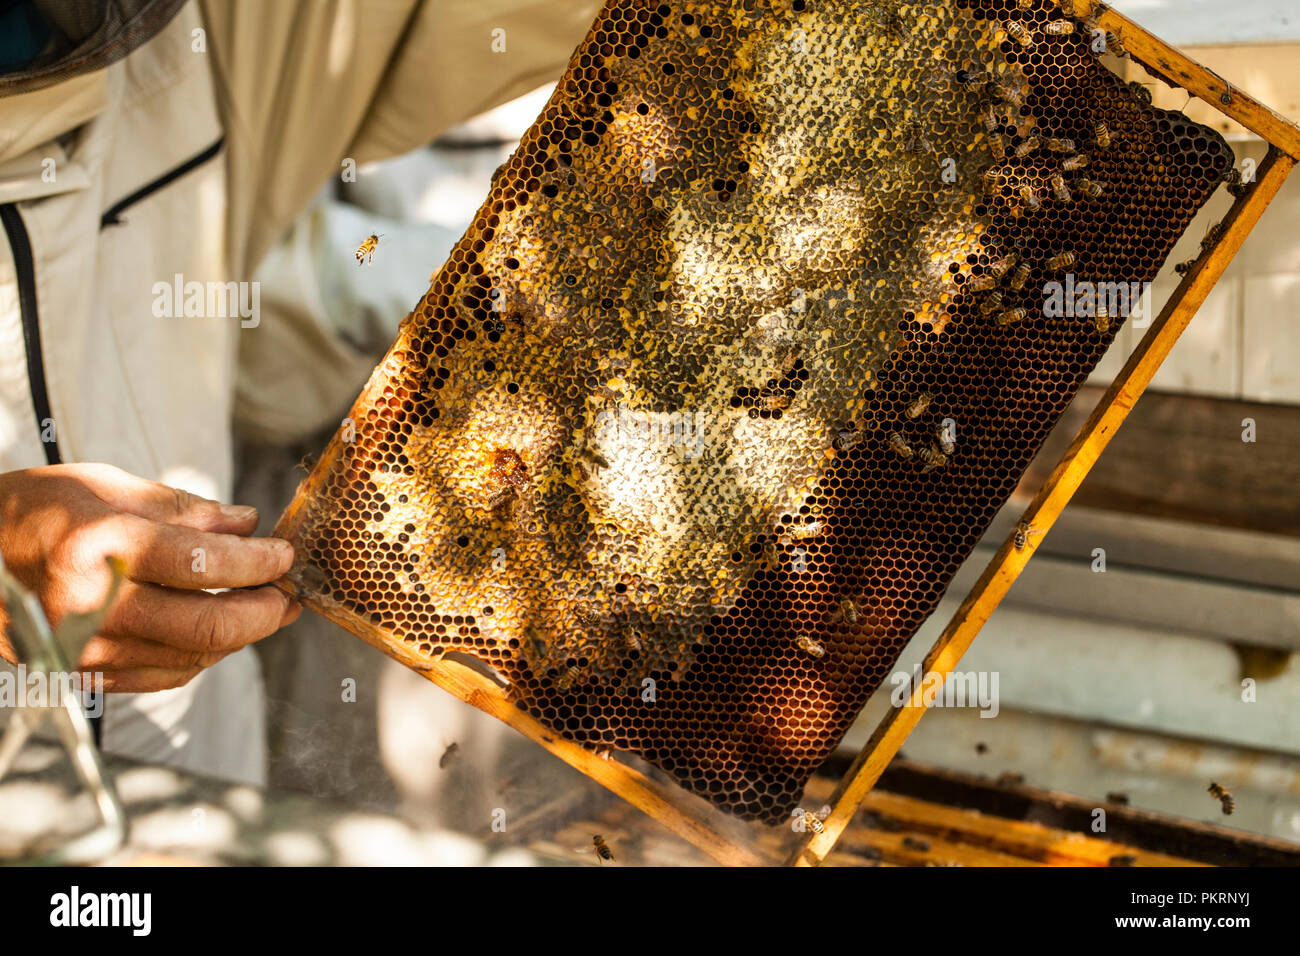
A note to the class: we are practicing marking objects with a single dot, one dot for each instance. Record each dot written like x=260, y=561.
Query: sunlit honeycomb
x=741, y=355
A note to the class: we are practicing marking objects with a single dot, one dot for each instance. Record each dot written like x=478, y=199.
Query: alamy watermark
x=20, y=688
x=1085, y=299
x=959, y=689
x=681, y=431
x=208, y=300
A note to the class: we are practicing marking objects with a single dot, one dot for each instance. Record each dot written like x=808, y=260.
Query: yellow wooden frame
x=725, y=838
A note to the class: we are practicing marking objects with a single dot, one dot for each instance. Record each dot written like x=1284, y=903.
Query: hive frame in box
x=723, y=837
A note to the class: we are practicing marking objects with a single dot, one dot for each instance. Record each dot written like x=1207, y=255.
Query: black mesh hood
x=89, y=35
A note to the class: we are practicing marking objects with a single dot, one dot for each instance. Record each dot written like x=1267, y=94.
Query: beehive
x=749, y=341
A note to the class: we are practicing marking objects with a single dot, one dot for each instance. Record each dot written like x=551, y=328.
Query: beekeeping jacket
x=157, y=144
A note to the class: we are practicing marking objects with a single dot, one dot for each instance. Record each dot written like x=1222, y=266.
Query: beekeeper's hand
x=57, y=525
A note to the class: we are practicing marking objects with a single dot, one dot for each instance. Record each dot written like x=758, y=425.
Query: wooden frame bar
x=1047, y=505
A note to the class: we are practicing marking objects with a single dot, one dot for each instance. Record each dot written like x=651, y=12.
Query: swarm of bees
x=1224, y=796
x=366, y=251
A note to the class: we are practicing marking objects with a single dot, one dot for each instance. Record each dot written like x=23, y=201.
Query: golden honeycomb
x=741, y=355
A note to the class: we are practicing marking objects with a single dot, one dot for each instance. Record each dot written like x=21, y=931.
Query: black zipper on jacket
x=25, y=271
x=114, y=215
x=20, y=245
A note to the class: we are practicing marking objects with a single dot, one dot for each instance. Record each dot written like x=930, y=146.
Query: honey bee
x=1102, y=135
x=1020, y=33
x=919, y=405
x=991, y=123
x=1000, y=267
x=564, y=683
x=1091, y=189
x=1074, y=162
x=1011, y=316
x=849, y=610
x=1057, y=145
x=1212, y=235
x=366, y=251
x=771, y=400
x=1059, y=27
x=790, y=359
x=595, y=457
x=847, y=438
x=1102, y=318
x=500, y=497
x=900, y=445
x=1024, y=531
x=1062, y=260
x=1019, y=277
x=991, y=177
x=933, y=458
x=811, y=647
x=982, y=283
x=991, y=304
x=807, y=529
x=943, y=436
x=1025, y=4
x=1237, y=186
x=603, y=851
x=1009, y=92
x=1141, y=92
x=917, y=142
x=997, y=147
x=1027, y=146
x=1060, y=189
x=812, y=821
x=1115, y=45
x=971, y=77
x=1184, y=267
x=1030, y=198
x=448, y=755
x=1224, y=796
x=631, y=640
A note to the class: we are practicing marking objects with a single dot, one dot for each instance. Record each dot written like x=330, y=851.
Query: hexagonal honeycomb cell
x=746, y=346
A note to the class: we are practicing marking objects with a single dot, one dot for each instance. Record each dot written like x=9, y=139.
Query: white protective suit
x=191, y=156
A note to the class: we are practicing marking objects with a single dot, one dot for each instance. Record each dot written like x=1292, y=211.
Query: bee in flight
x=366, y=251
x=603, y=851
x=1224, y=796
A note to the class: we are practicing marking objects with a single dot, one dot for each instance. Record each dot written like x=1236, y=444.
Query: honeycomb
x=741, y=355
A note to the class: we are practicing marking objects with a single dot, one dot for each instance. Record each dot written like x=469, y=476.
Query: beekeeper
x=151, y=153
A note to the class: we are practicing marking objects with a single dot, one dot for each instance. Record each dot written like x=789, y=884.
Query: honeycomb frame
x=694, y=820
